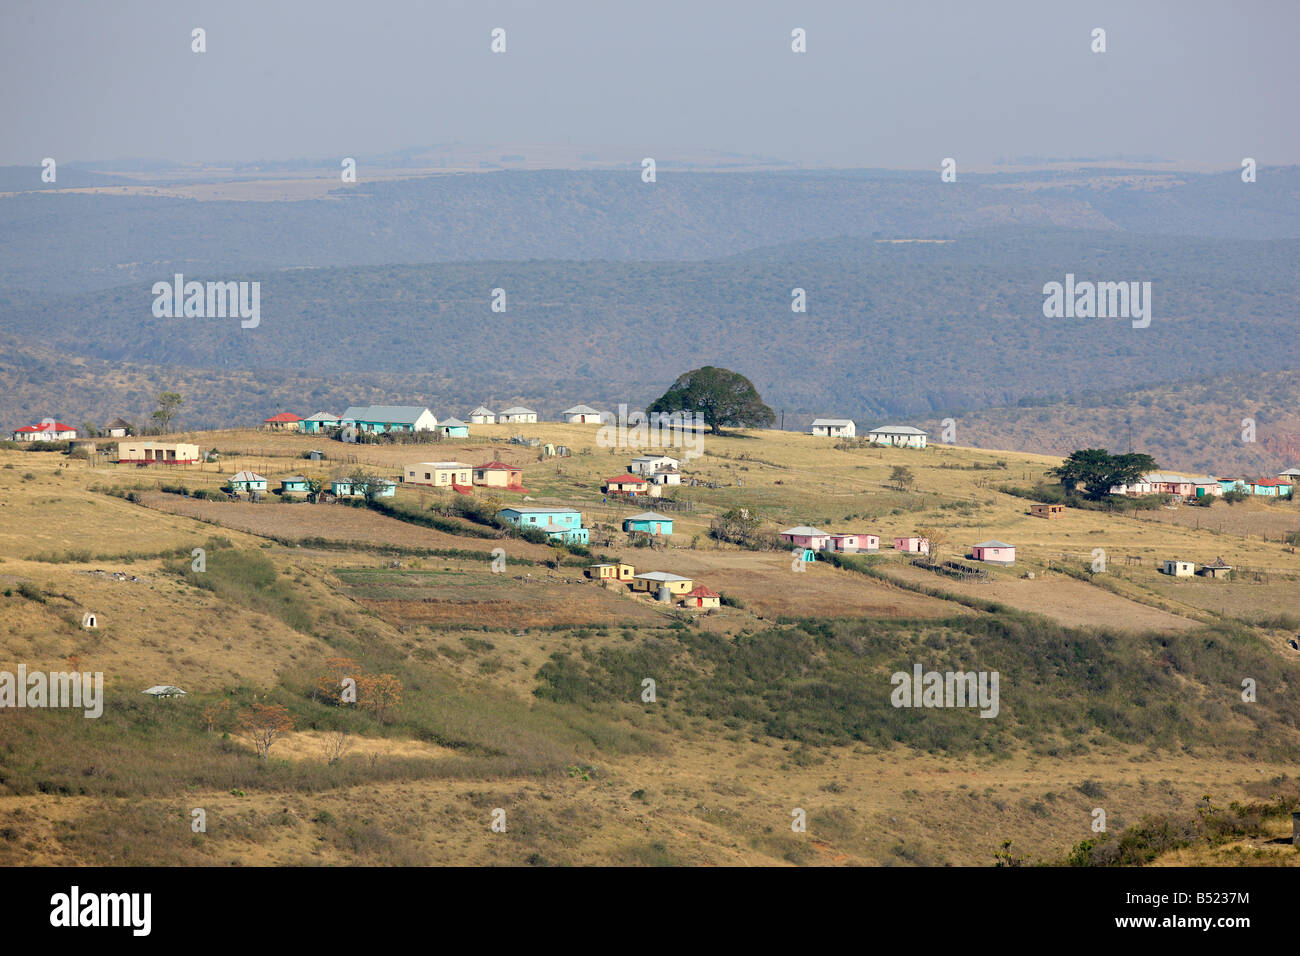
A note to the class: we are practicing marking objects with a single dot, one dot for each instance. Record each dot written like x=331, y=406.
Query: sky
x=883, y=84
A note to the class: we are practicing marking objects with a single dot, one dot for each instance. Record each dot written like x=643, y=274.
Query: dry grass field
x=495, y=711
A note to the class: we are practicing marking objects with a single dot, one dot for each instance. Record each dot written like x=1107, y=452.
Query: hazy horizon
x=1193, y=84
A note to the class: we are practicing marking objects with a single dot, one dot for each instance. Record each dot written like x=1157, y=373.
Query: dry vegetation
x=522, y=690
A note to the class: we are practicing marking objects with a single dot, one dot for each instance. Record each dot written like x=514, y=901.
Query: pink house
x=994, y=552
x=803, y=536
x=847, y=541
x=913, y=545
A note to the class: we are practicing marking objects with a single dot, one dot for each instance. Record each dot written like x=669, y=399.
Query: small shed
x=1177, y=569
x=1215, y=569
x=1047, y=511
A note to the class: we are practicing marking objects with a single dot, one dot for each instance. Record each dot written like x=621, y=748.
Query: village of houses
x=646, y=479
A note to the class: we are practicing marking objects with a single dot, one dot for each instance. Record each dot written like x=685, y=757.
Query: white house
x=1179, y=569
x=482, y=416
x=649, y=464
x=900, y=436
x=48, y=430
x=582, y=415
x=518, y=415
x=834, y=427
x=666, y=476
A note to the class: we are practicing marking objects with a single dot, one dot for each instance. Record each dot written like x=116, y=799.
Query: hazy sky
x=899, y=83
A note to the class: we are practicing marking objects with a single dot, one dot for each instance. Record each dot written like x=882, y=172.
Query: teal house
x=1271, y=487
x=453, y=428
x=295, y=485
x=651, y=522
x=343, y=488
x=563, y=524
x=389, y=418
x=247, y=482
x=318, y=423
x=1232, y=484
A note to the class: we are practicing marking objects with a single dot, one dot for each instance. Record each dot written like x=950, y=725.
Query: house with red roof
x=48, y=430
x=283, y=422
x=629, y=485
x=700, y=596
x=497, y=474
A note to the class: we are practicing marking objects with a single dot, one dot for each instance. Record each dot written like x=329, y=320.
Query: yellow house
x=611, y=572
x=152, y=452
x=439, y=474
x=651, y=581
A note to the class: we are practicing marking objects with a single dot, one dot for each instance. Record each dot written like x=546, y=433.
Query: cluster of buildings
x=666, y=587
x=1198, y=486
x=646, y=476
x=896, y=436
x=811, y=540
x=385, y=419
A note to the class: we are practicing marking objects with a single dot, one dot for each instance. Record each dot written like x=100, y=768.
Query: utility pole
x=783, y=419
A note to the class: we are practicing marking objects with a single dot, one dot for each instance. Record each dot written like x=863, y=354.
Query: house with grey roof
x=378, y=419
x=834, y=427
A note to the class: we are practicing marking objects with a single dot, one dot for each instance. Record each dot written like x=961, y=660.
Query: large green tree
x=723, y=397
x=1096, y=470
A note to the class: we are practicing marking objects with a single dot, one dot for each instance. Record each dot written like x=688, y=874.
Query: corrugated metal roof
x=396, y=414
x=993, y=543
x=649, y=516
x=896, y=430
x=804, y=530
x=817, y=422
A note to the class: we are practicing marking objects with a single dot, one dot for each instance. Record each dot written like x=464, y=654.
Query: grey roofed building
x=580, y=410
x=649, y=516
x=452, y=423
x=838, y=422
x=164, y=690
x=519, y=410
x=897, y=430
x=397, y=414
x=664, y=576
x=322, y=417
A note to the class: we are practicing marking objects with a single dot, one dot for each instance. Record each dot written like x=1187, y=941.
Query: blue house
x=453, y=428
x=562, y=524
x=295, y=485
x=343, y=488
x=651, y=522
x=318, y=423
x=389, y=418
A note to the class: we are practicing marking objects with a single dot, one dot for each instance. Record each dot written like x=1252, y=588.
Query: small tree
x=168, y=404
x=379, y=694
x=336, y=743
x=936, y=536
x=330, y=684
x=902, y=478
x=265, y=724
